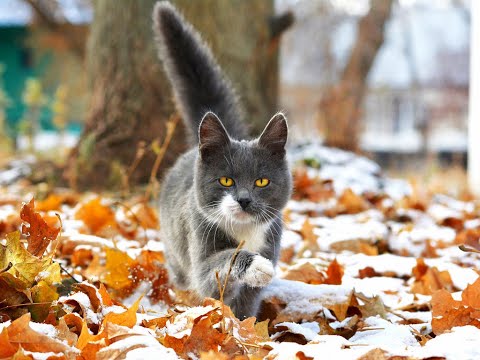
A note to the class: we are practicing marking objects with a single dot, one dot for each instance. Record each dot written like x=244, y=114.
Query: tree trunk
x=340, y=107
x=131, y=99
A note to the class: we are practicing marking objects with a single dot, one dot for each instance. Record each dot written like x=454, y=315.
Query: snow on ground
x=377, y=247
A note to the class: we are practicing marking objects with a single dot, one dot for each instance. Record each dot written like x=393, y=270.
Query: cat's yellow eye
x=225, y=181
x=262, y=182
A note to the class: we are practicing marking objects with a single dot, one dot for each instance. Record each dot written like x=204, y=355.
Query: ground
x=370, y=268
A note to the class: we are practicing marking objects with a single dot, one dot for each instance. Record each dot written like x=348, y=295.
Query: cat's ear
x=274, y=137
x=212, y=135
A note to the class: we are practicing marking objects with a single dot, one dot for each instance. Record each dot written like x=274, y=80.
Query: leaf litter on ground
x=369, y=269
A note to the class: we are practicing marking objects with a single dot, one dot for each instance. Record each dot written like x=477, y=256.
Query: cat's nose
x=244, y=202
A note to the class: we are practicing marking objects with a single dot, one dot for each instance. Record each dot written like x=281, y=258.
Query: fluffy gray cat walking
x=225, y=190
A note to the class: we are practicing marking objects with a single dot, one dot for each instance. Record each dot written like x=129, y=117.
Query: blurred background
x=80, y=81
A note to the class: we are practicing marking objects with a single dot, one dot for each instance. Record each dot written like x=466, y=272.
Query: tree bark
x=131, y=99
x=340, y=106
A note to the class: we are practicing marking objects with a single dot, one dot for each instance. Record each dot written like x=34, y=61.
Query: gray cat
x=225, y=190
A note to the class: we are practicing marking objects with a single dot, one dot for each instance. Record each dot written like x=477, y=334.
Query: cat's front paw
x=259, y=273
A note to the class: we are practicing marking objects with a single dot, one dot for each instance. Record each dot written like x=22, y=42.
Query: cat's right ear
x=212, y=136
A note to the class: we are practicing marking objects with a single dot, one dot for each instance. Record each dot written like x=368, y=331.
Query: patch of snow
x=459, y=344
x=45, y=329
x=139, y=345
x=304, y=298
x=301, y=329
x=383, y=334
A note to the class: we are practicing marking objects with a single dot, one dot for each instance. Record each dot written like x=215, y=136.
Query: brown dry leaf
x=213, y=355
x=312, y=189
x=340, y=309
x=301, y=356
x=74, y=322
x=64, y=333
x=334, y=273
x=145, y=216
x=309, y=236
x=367, y=249
x=156, y=323
x=428, y=280
x=454, y=223
x=371, y=306
x=447, y=312
x=306, y=272
x=19, y=332
x=39, y=233
x=92, y=293
x=351, y=203
x=469, y=237
x=82, y=257
x=367, y=272
x=420, y=269
x=96, y=215
x=204, y=337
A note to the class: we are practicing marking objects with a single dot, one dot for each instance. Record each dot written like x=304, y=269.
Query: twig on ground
x=152, y=184
x=225, y=282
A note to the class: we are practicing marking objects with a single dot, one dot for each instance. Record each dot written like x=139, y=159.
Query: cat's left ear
x=275, y=135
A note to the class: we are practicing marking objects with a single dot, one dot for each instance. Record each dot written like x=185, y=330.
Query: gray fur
x=202, y=221
x=197, y=81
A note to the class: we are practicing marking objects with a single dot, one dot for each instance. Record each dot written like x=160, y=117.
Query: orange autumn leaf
x=351, y=203
x=310, y=188
x=430, y=279
x=6, y=348
x=52, y=202
x=107, y=300
x=21, y=333
x=127, y=318
x=308, y=235
x=334, y=273
x=204, y=336
x=96, y=215
x=448, y=313
x=39, y=233
x=420, y=269
x=144, y=215
x=117, y=269
x=306, y=272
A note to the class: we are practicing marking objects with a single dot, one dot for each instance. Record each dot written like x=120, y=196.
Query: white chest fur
x=252, y=234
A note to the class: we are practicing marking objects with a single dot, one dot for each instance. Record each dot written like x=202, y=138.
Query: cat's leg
x=248, y=269
x=247, y=302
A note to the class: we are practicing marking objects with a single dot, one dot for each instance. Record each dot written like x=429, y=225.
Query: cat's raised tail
x=197, y=81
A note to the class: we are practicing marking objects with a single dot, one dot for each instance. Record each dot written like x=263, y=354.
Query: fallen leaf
x=334, y=273
x=20, y=333
x=96, y=215
x=351, y=203
x=306, y=272
x=6, y=348
x=127, y=318
x=117, y=269
x=448, y=313
x=39, y=233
